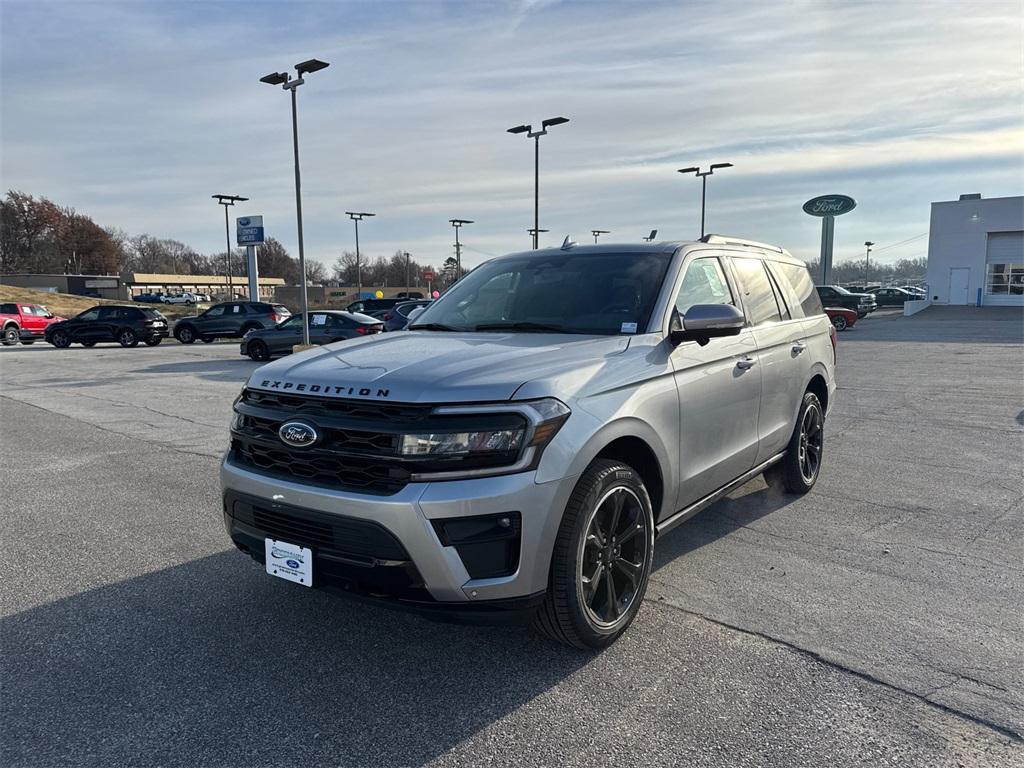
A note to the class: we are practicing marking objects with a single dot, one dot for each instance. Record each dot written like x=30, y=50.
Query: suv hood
x=429, y=367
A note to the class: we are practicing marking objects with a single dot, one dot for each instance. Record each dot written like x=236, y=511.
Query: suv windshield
x=598, y=293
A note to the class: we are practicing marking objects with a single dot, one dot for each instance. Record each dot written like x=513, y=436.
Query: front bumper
x=433, y=575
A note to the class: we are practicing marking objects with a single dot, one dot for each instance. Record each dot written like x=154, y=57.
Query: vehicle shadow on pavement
x=214, y=662
x=212, y=370
x=745, y=505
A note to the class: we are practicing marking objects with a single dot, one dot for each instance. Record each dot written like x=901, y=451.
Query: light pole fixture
x=457, y=223
x=357, y=217
x=704, y=185
x=535, y=135
x=288, y=83
x=534, y=233
x=598, y=232
x=650, y=237
x=867, y=260
x=227, y=200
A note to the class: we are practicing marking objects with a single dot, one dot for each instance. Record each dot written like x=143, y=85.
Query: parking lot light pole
x=457, y=223
x=535, y=135
x=704, y=185
x=534, y=234
x=227, y=200
x=407, y=284
x=288, y=83
x=357, y=217
x=867, y=260
x=650, y=237
x=598, y=232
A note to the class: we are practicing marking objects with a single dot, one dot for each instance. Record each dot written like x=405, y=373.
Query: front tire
x=798, y=470
x=60, y=339
x=28, y=342
x=602, y=558
x=153, y=341
x=186, y=335
x=126, y=338
x=839, y=322
x=11, y=336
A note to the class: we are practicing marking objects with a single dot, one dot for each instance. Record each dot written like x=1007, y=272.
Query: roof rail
x=727, y=240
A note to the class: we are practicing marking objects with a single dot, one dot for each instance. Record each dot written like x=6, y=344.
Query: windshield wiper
x=432, y=327
x=525, y=326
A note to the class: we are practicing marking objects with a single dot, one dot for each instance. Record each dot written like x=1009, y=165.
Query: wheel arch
x=819, y=387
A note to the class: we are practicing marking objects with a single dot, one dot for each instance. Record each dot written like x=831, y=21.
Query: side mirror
x=705, y=322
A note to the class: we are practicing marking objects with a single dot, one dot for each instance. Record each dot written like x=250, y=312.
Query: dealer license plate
x=289, y=561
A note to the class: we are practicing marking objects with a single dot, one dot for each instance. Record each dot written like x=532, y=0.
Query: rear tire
x=602, y=558
x=60, y=339
x=11, y=335
x=27, y=342
x=126, y=338
x=839, y=322
x=258, y=350
x=185, y=334
x=798, y=470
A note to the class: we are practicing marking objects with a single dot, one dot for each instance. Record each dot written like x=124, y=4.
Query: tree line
x=854, y=271
x=40, y=236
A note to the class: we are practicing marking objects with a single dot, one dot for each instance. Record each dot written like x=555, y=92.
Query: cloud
x=139, y=112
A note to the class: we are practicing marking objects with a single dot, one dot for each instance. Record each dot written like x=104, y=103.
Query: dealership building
x=976, y=251
x=131, y=284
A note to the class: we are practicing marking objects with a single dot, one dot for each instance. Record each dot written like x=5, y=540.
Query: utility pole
x=457, y=223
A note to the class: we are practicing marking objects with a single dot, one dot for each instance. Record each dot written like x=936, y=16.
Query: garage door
x=1004, y=268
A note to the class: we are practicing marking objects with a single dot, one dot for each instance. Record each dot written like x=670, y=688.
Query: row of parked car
x=266, y=329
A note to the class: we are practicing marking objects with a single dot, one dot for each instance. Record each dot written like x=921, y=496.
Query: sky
x=135, y=113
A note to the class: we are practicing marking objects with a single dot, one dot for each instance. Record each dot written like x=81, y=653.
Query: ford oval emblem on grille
x=297, y=434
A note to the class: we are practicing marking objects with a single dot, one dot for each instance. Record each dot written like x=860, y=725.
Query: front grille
x=316, y=468
x=359, y=441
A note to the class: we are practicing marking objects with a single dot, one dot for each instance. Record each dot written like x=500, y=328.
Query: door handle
x=745, y=363
x=798, y=347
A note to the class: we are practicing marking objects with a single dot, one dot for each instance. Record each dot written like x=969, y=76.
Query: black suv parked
x=837, y=296
x=231, y=319
x=110, y=322
x=369, y=306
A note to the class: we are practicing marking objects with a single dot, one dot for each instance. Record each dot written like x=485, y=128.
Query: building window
x=1003, y=279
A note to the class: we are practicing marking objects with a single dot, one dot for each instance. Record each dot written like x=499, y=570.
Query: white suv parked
x=517, y=452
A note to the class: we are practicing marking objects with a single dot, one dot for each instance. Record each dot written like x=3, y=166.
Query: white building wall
x=958, y=238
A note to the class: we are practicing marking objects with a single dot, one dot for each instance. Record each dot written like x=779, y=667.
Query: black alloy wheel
x=258, y=350
x=185, y=334
x=60, y=339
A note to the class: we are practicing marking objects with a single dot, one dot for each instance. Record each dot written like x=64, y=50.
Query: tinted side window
x=758, y=296
x=799, y=279
x=9, y=309
x=109, y=313
x=704, y=283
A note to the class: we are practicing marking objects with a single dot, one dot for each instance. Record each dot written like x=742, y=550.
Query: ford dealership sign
x=829, y=205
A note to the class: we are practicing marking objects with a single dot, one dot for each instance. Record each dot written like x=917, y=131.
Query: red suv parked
x=24, y=323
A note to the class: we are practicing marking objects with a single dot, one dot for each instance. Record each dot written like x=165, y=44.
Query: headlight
x=499, y=438
x=456, y=443
x=249, y=333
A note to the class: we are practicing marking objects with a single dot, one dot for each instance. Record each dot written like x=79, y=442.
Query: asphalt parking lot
x=876, y=621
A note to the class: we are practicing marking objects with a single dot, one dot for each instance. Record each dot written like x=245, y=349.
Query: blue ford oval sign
x=829, y=205
x=297, y=434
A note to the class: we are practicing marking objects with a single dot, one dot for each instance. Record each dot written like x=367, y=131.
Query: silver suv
x=517, y=452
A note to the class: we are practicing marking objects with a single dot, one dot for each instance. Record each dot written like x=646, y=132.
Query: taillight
x=387, y=316
x=362, y=330
x=273, y=317
x=835, y=338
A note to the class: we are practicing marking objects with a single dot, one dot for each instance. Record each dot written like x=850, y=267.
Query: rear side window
x=152, y=314
x=758, y=295
x=9, y=309
x=799, y=280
